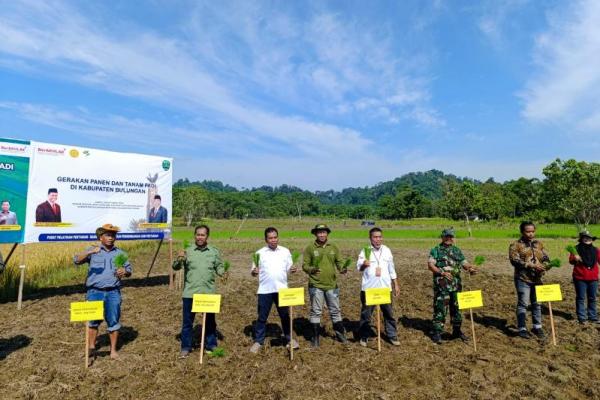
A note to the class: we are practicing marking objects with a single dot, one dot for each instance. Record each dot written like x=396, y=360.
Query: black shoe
x=539, y=332
x=457, y=334
x=436, y=338
x=316, y=328
x=340, y=332
x=524, y=334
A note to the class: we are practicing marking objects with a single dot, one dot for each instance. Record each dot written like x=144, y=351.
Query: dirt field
x=41, y=352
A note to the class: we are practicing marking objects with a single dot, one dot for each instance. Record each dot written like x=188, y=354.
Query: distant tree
x=462, y=200
x=572, y=189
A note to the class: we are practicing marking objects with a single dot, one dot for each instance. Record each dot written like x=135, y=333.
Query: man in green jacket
x=202, y=264
x=321, y=260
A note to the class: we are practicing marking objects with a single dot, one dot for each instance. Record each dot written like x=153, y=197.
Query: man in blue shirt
x=108, y=265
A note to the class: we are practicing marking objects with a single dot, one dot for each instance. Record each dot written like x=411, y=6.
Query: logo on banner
x=166, y=164
x=74, y=153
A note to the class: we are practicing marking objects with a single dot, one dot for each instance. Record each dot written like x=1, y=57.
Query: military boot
x=314, y=341
x=457, y=334
x=436, y=337
x=340, y=332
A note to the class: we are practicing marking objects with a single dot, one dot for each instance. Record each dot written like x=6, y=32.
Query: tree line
x=568, y=192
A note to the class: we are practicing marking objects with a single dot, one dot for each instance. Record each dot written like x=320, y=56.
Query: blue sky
x=310, y=93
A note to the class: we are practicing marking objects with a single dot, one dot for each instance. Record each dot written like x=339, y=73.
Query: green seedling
x=226, y=265
x=256, y=259
x=571, y=249
x=217, y=352
x=186, y=244
x=367, y=251
x=479, y=260
x=556, y=263
x=121, y=259
x=295, y=256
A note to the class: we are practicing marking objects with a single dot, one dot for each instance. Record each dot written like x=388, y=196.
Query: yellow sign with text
x=378, y=296
x=471, y=299
x=87, y=311
x=291, y=297
x=545, y=293
x=206, y=303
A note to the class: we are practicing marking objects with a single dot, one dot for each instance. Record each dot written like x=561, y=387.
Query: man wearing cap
x=530, y=261
x=377, y=272
x=158, y=214
x=321, y=260
x=202, y=264
x=49, y=211
x=107, y=267
x=585, y=277
x=445, y=262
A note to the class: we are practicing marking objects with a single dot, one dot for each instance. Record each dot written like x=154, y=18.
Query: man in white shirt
x=274, y=262
x=377, y=272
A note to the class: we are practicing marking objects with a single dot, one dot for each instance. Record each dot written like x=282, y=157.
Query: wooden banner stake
x=21, y=279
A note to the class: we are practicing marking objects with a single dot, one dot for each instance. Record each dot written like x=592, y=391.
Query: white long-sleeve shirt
x=382, y=258
x=272, y=269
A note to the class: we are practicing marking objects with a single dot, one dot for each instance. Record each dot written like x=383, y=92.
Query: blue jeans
x=265, y=302
x=210, y=340
x=112, y=307
x=585, y=289
x=525, y=297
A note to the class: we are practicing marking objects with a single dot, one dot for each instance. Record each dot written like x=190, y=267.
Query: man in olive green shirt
x=202, y=263
x=321, y=260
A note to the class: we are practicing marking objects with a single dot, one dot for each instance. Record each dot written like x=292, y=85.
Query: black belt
x=104, y=289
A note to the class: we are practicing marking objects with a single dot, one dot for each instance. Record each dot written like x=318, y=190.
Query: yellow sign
x=548, y=293
x=472, y=299
x=10, y=227
x=378, y=296
x=206, y=303
x=153, y=225
x=87, y=311
x=291, y=297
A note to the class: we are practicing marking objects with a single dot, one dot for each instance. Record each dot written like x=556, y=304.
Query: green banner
x=14, y=175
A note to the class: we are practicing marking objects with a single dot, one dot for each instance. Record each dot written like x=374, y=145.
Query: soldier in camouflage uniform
x=445, y=262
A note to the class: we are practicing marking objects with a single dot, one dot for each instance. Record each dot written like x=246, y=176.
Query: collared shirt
x=201, y=266
x=102, y=271
x=272, y=269
x=381, y=258
x=327, y=256
x=8, y=218
x=522, y=252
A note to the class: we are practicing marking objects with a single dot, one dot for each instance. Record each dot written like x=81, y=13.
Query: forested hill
x=429, y=184
x=569, y=191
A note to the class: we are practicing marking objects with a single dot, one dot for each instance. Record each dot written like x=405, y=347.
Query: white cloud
x=566, y=86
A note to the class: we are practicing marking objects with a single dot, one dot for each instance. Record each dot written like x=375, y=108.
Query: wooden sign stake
x=291, y=333
x=202, y=338
x=552, y=323
x=473, y=329
x=378, y=310
x=87, y=346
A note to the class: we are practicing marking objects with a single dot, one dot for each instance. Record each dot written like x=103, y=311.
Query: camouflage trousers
x=443, y=301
